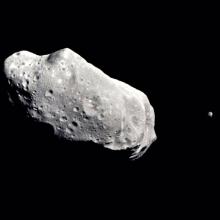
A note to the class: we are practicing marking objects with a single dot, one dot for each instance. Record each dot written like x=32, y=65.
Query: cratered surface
x=80, y=101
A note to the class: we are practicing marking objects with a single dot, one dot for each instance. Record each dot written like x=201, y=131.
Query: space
x=172, y=58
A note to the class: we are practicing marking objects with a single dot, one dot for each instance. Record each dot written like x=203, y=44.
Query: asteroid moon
x=80, y=101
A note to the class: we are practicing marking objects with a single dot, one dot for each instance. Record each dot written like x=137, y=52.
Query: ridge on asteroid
x=80, y=101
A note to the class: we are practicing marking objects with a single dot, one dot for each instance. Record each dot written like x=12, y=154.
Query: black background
x=167, y=51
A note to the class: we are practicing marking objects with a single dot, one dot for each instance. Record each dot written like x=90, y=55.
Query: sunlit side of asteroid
x=79, y=101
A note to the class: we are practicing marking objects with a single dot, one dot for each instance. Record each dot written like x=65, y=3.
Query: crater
x=49, y=93
x=69, y=130
x=75, y=124
x=63, y=119
x=76, y=109
x=135, y=120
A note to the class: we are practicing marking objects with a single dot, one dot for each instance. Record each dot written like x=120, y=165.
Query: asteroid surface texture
x=79, y=101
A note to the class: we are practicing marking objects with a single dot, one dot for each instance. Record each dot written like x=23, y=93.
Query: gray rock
x=80, y=101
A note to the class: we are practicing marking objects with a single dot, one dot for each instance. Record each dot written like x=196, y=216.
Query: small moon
x=210, y=114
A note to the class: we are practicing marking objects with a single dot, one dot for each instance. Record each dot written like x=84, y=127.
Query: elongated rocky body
x=80, y=101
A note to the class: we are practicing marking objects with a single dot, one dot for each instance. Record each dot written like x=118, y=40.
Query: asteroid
x=79, y=101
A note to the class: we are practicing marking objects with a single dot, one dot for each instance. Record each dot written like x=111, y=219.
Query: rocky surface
x=80, y=101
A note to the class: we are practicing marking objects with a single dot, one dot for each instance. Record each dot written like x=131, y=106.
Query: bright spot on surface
x=59, y=81
x=210, y=114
